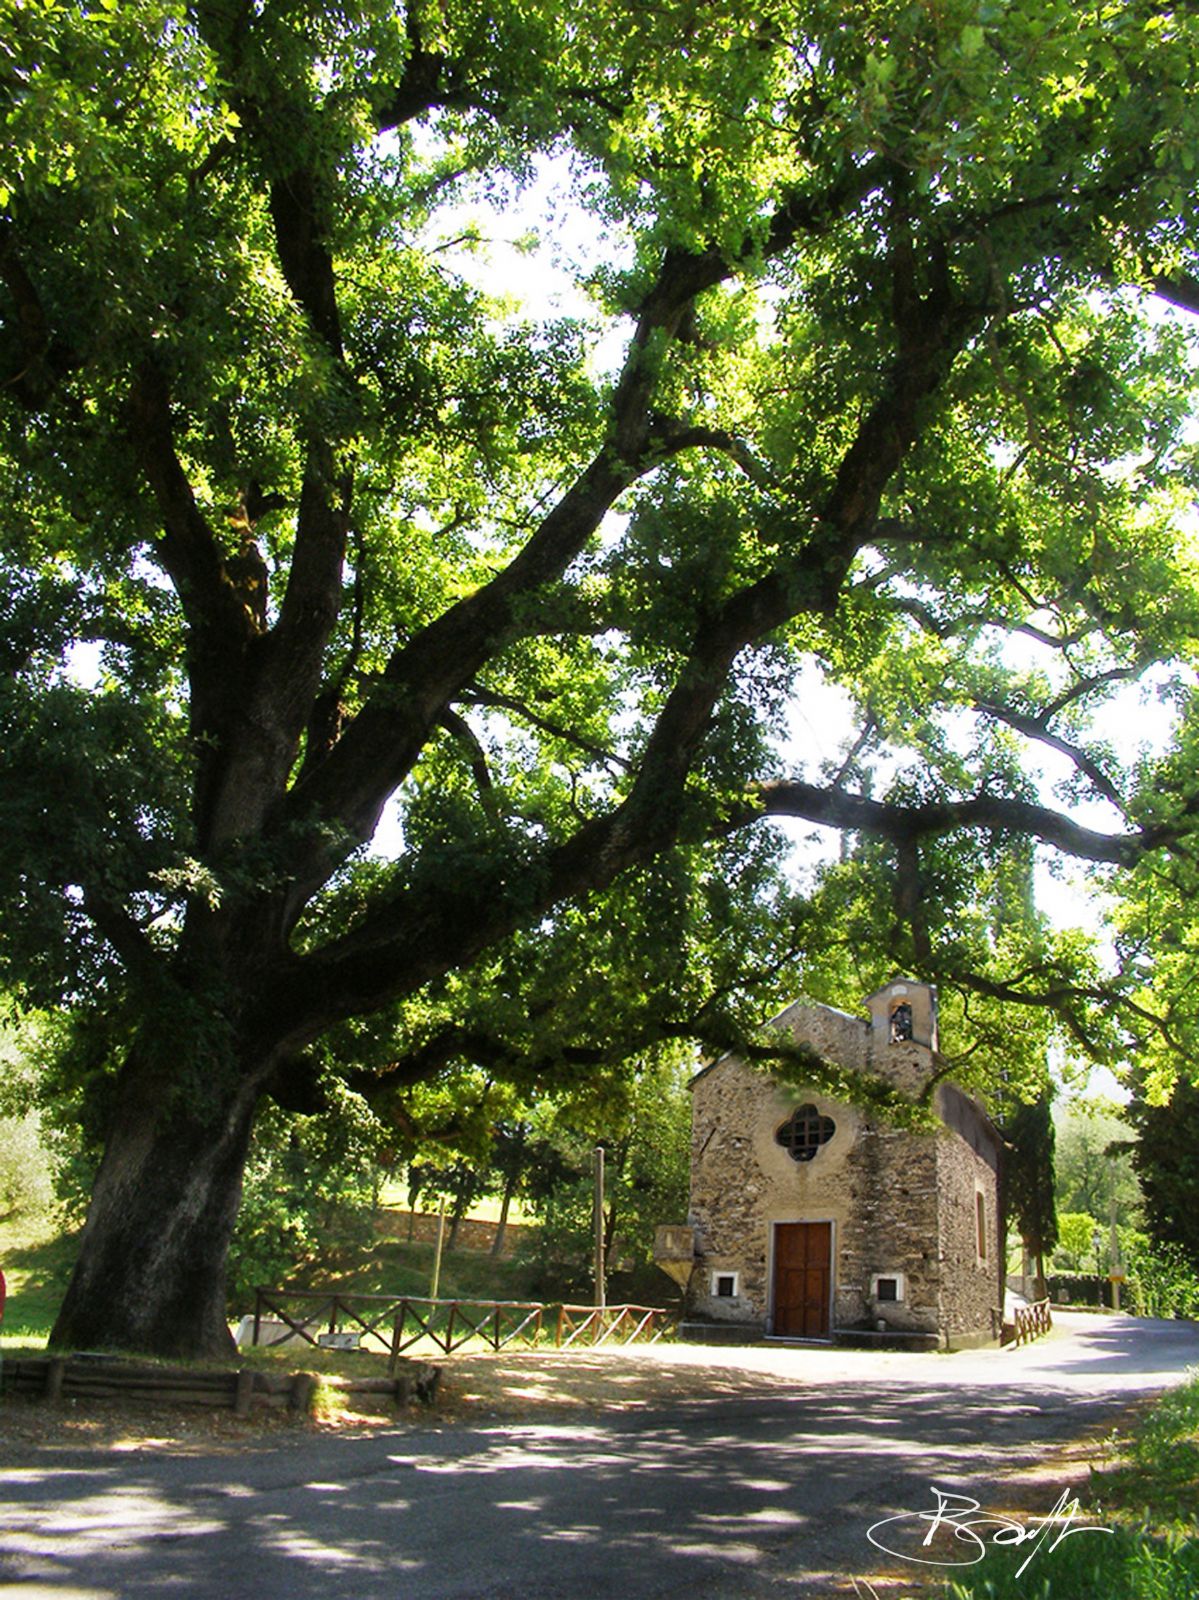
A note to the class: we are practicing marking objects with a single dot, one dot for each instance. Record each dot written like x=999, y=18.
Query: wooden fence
x=595, y=1325
x=327, y=1314
x=396, y=1322
x=496, y=1322
x=1032, y=1321
x=96, y=1377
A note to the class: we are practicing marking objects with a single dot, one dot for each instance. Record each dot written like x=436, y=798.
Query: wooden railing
x=330, y=1313
x=496, y=1322
x=1032, y=1321
x=396, y=1322
x=595, y=1325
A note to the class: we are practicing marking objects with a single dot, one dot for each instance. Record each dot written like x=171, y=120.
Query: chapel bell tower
x=904, y=1012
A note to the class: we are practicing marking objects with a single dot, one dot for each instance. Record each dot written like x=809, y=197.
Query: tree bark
x=501, y=1229
x=151, y=1269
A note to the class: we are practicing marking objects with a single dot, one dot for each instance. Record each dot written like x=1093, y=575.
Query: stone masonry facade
x=917, y=1211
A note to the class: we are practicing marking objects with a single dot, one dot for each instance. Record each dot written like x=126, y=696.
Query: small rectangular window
x=888, y=1289
x=980, y=1213
x=724, y=1285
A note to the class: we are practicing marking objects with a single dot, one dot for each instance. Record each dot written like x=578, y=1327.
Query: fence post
x=243, y=1393
x=397, y=1336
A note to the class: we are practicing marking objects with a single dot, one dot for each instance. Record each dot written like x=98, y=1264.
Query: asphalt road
x=767, y=1492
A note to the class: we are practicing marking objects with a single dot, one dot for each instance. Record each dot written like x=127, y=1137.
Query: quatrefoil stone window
x=804, y=1131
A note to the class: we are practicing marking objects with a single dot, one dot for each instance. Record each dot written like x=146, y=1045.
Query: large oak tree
x=352, y=539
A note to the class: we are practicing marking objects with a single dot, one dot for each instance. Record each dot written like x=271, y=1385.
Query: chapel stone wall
x=902, y=1204
x=967, y=1185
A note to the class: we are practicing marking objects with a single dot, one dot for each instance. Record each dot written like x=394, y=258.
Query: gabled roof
x=795, y=1005
x=898, y=977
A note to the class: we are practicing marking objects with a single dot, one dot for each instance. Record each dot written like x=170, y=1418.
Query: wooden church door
x=802, y=1276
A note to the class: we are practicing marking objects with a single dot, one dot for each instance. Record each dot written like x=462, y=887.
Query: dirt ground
x=481, y=1390
x=474, y=1387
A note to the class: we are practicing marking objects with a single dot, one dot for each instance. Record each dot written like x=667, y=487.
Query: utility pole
x=1116, y=1274
x=436, y=1281
x=599, y=1227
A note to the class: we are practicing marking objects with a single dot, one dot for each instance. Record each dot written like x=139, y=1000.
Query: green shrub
x=1161, y=1282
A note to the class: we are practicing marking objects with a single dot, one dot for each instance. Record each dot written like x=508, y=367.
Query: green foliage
x=1166, y=1159
x=1029, y=1175
x=1124, y=1565
x=26, y=1180
x=310, y=1196
x=1076, y=1233
x=646, y=1136
x=1146, y=1498
x=1093, y=1162
x=830, y=377
x=1162, y=1281
x=1164, y=1459
x=26, y=1164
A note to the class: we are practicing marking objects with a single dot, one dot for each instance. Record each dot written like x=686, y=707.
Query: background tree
x=303, y=524
x=1093, y=1162
x=1166, y=1159
x=1077, y=1233
x=1028, y=1180
x=311, y=1189
x=512, y=1162
x=31, y=1153
x=645, y=1131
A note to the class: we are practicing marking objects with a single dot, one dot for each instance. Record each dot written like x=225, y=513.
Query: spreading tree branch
x=995, y=813
x=1181, y=289
x=506, y=702
x=410, y=939
x=1035, y=727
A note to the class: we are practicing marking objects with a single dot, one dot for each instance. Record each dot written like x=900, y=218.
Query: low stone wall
x=473, y=1233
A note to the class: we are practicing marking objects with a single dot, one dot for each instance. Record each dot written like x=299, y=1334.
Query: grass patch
x=392, y=1266
x=1157, y=1474
x=393, y=1196
x=36, y=1258
x=1148, y=1496
x=1125, y=1564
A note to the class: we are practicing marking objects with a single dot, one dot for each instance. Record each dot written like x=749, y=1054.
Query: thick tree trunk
x=151, y=1270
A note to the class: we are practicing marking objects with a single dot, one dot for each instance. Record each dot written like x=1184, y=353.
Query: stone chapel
x=811, y=1218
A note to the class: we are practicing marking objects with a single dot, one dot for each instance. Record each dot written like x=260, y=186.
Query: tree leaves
x=389, y=536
